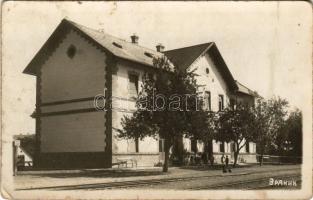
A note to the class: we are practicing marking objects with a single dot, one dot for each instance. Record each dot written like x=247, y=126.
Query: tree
x=166, y=107
x=268, y=121
x=235, y=125
x=202, y=126
x=293, y=128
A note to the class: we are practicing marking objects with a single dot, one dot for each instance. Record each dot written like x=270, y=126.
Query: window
x=161, y=145
x=194, y=147
x=208, y=97
x=247, y=147
x=137, y=145
x=207, y=70
x=222, y=147
x=232, y=103
x=220, y=102
x=133, y=85
x=232, y=147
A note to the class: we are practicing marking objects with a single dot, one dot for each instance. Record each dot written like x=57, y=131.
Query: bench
x=119, y=163
x=126, y=161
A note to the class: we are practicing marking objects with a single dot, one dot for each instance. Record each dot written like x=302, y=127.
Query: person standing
x=227, y=166
x=212, y=160
x=226, y=162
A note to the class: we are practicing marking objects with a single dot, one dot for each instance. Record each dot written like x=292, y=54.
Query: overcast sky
x=266, y=45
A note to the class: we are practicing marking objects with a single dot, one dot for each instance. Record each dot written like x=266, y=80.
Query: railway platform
x=194, y=178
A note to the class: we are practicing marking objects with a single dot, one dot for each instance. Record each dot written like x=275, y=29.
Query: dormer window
x=149, y=54
x=117, y=45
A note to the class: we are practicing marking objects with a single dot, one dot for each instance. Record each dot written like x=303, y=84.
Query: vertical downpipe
x=110, y=64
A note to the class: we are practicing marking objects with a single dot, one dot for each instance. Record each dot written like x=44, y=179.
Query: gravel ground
x=58, y=179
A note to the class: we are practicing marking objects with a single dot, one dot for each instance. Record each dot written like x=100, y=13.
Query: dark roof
x=121, y=48
x=106, y=42
x=184, y=57
x=243, y=89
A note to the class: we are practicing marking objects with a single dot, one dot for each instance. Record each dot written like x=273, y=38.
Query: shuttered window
x=222, y=147
x=208, y=98
x=247, y=147
x=194, y=147
x=161, y=145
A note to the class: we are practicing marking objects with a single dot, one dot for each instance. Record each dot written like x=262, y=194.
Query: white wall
x=124, y=105
x=216, y=147
x=213, y=82
x=187, y=144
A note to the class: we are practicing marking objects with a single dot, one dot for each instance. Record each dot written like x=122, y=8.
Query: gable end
x=53, y=42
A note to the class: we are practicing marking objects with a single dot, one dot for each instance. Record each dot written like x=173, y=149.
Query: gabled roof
x=182, y=57
x=185, y=57
x=106, y=42
x=243, y=89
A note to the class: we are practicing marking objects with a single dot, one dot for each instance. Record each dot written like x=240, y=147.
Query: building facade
x=77, y=64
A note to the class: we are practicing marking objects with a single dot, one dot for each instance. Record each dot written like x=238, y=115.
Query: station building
x=78, y=63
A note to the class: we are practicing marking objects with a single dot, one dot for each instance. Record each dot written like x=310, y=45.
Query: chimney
x=134, y=38
x=160, y=47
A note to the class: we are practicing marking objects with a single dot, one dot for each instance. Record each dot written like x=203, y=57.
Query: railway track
x=152, y=182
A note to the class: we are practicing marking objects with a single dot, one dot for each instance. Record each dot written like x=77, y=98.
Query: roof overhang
x=56, y=37
x=49, y=46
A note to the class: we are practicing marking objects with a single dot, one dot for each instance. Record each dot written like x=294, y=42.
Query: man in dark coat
x=227, y=162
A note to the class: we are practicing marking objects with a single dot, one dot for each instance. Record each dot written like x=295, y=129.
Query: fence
x=271, y=159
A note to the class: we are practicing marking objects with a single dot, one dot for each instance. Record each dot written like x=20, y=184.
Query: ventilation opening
x=71, y=51
x=117, y=45
x=149, y=55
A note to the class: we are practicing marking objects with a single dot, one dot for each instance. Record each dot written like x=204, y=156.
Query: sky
x=266, y=45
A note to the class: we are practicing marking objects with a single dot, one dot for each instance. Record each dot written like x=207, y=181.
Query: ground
x=185, y=178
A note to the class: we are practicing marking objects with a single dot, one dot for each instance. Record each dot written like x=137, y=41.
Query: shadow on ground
x=104, y=173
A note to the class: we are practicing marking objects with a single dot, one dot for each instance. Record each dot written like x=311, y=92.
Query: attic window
x=207, y=70
x=71, y=51
x=117, y=45
x=148, y=54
